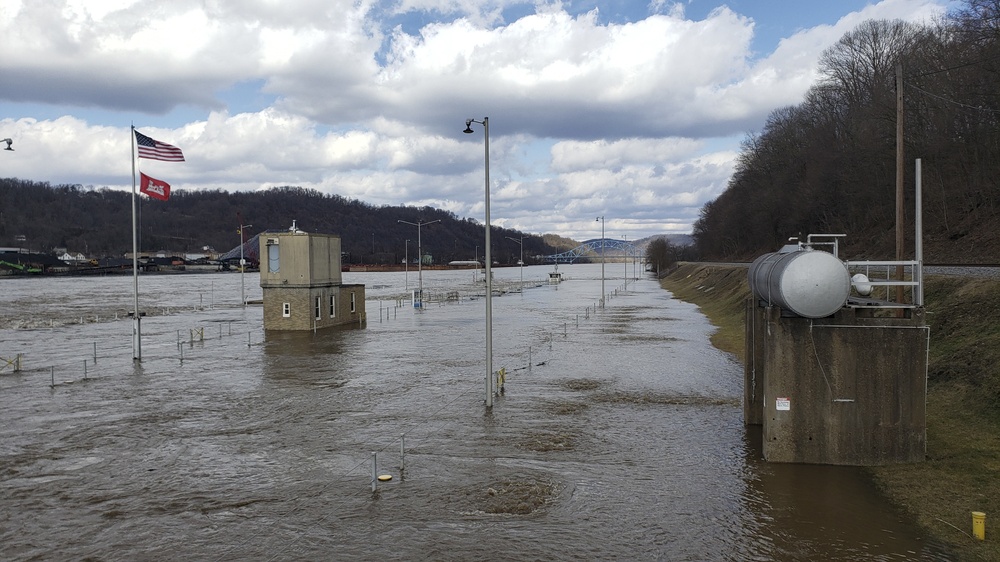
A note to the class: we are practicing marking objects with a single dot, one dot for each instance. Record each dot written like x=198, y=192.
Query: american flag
x=156, y=150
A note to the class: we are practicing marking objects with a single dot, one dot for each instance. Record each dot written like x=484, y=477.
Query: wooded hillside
x=98, y=223
x=828, y=165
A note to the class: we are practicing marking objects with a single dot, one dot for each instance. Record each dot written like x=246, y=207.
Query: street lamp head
x=485, y=122
x=9, y=142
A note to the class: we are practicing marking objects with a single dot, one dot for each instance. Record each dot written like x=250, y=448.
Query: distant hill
x=560, y=243
x=680, y=240
x=564, y=244
x=98, y=223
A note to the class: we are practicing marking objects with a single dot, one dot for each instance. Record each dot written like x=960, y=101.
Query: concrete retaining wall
x=849, y=389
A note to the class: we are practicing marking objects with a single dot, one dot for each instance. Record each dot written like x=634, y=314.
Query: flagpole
x=155, y=150
x=136, y=317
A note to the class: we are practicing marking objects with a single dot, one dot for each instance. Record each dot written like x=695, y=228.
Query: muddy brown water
x=620, y=439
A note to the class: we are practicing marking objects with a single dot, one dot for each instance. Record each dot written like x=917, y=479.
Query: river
x=619, y=434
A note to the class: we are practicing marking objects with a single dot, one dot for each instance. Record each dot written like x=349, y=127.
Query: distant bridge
x=597, y=246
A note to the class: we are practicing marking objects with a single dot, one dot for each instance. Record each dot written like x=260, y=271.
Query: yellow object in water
x=384, y=477
x=979, y=525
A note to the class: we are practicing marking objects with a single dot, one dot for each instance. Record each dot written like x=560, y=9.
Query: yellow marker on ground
x=979, y=525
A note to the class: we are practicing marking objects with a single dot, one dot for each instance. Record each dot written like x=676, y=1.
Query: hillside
x=829, y=164
x=98, y=223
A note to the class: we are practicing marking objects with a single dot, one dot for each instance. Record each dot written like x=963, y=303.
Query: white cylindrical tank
x=808, y=283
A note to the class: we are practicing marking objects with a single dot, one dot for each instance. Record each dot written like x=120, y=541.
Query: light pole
x=601, y=219
x=406, y=266
x=243, y=266
x=520, y=243
x=625, y=237
x=420, y=260
x=489, y=265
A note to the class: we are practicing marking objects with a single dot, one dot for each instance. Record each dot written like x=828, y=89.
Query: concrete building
x=300, y=274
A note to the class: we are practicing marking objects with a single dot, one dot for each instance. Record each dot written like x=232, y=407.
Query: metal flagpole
x=136, y=318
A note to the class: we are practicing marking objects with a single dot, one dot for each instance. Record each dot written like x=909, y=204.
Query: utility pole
x=243, y=263
x=625, y=253
x=900, y=219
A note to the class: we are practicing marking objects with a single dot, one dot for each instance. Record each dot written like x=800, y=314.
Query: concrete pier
x=849, y=389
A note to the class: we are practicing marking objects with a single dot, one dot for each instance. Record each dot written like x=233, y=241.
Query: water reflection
x=808, y=508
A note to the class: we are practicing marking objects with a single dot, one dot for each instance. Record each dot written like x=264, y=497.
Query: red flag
x=155, y=150
x=153, y=187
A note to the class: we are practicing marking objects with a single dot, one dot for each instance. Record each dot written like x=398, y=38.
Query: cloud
x=368, y=99
x=602, y=154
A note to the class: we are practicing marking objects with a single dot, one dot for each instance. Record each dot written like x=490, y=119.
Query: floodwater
x=619, y=434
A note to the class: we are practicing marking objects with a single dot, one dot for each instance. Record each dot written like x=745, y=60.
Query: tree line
x=98, y=222
x=828, y=165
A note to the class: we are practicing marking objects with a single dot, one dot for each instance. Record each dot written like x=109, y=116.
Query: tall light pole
x=406, y=266
x=625, y=237
x=520, y=243
x=635, y=258
x=243, y=266
x=601, y=219
x=420, y=260
x=489, y=265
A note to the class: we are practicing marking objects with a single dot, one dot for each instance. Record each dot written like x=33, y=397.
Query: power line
x=950, y=68
x=951, y=101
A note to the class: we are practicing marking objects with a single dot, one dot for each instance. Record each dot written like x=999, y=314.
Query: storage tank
x=808, y=283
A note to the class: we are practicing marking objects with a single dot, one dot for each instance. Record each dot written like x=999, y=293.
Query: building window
x=319, y=308
x=353, y=306
x=286, y=310
x=333, y=306
x=273, y=262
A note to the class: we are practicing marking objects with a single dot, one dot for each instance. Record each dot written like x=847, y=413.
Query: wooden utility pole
x=900, y=219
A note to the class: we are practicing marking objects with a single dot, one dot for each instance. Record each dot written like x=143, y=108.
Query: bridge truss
x=597, y=246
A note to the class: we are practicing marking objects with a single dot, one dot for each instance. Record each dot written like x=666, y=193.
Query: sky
x=626, y=110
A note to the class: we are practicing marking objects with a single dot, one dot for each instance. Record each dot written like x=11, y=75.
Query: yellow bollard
x=979, y=525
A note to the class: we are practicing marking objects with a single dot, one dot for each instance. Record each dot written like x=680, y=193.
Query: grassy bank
x=962, y=470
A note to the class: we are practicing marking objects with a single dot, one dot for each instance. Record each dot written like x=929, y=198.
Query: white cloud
x=587, y=117
x=575, y=155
